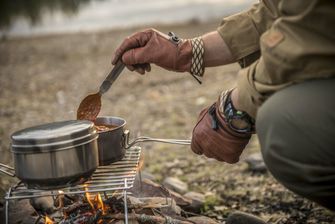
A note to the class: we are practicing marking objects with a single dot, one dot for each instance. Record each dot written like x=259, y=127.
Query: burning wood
x=159, y=206
x=48, y=220
x=93, y=209
x=156, y=205
x=142, y=218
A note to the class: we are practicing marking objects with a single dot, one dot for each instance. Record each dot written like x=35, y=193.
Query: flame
x=96, y=202
x=100, y=203
x=88, y=197
x=48, y=220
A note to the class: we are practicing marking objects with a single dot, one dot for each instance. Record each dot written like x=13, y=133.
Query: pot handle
x=128, y=144
x=7, y=170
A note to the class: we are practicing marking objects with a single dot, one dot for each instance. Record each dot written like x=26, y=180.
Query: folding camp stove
x=108, y=180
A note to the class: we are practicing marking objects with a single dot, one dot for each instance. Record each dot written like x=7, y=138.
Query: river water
x=89, y=15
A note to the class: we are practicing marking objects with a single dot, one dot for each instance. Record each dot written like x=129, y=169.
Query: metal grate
x=118, y=176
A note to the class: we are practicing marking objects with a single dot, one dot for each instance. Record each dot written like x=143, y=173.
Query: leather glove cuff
x=195, y=65
x=213, y=137
x=238, y=121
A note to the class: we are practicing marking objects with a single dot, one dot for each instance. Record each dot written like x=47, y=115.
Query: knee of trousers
x=274, y=145
x=292, y=153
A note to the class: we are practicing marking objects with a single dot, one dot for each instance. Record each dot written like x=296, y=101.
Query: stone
x=200, y=101
x=256, y=163
x=167, y=205
x=175, y=184
x=20, y=211
x=149, y=188
x=43, y=205
x=202, y=220
x=178, y=172
x=243, y=218
x=197, y=201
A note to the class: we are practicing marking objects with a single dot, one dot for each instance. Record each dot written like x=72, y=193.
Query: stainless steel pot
x=113, y=143
x=109, y=142
x=54, y=155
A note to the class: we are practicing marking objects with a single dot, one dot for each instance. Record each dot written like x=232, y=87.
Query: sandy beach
x=43, y=79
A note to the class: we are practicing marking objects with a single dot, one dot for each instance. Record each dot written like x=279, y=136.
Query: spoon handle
x=111, y=77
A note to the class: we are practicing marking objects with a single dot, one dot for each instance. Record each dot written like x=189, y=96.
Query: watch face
x=239, y=124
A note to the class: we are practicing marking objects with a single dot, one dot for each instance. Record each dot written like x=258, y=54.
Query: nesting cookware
x=111, y=148
x=54, y=155
x=62, y=154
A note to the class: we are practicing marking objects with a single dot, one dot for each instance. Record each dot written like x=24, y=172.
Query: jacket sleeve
x=242, y=31
x=299, y=46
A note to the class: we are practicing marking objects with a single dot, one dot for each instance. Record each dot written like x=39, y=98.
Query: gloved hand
x=152, y=46
x=213, y=137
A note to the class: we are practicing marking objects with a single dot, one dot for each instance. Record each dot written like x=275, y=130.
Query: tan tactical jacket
x=280, y=42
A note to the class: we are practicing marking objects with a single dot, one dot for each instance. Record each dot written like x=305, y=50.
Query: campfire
x=97, y=208
x=90, y=208
x=112, y=195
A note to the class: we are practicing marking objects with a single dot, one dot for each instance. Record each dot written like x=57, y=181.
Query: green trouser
x=296, y=130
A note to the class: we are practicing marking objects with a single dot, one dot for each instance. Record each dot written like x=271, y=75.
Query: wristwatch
x=237, y=120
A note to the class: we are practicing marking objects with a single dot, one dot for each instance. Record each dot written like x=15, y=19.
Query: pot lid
x=52, y=136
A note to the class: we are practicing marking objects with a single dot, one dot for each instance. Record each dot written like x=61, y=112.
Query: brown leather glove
x=215, y=139
x=152, y=46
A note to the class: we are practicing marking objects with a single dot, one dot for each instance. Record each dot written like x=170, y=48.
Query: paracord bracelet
x=197, y=63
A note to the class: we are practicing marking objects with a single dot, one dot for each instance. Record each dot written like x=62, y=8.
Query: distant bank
x=109, y=14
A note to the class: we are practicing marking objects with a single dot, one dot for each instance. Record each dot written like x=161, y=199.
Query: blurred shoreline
x=94, y=16
x=214, y=22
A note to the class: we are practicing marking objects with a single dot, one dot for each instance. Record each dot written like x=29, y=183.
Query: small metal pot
x=113, y=143
x=54, y=155
x=109, y=142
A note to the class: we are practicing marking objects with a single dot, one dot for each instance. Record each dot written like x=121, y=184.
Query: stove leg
x=7, y=211
x=125, y=202
x=7, y=205
x=140, y=177
x=38, y=219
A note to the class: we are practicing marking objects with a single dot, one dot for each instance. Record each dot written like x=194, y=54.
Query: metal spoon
x=90, y=106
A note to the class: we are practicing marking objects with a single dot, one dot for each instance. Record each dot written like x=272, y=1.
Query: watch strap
x=231, y=113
